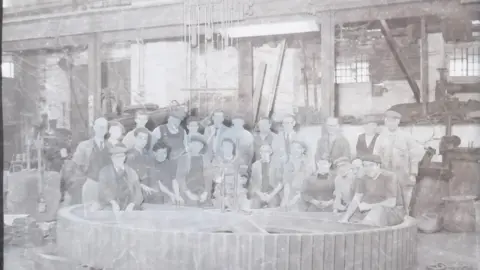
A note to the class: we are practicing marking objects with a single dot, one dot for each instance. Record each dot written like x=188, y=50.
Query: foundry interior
x=68, y=63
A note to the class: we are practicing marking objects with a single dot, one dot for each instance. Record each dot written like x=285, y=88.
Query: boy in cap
x=197, y=183
x=378, y=199
x=266, y=180
x=344, y=184
x=141, y=119
x=119, y=186
x=399, y=153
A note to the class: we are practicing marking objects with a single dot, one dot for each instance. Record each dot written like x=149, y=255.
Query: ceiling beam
x=166, y=20
x=401, y=60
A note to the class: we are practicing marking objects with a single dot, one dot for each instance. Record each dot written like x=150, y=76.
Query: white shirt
x=369, y=139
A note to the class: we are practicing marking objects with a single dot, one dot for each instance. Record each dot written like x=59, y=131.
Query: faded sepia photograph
x=241, y=134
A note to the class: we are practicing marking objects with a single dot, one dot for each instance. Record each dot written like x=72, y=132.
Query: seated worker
x=266, y=180
x=197, y=186
x=296, y=173
x=163, y=174
x=344, y=184
x=119, y=186
x=378, y=199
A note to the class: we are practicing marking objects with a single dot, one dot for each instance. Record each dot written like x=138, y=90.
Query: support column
x=245, y=80
x=424, y=64
x=328, y=65
x=94, y=78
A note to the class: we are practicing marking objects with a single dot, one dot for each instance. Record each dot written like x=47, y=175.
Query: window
x=7, y=70
x=465, y=62
x=354, y=70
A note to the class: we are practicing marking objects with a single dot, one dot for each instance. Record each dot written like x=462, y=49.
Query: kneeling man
x=378, y=199
x=119, y=186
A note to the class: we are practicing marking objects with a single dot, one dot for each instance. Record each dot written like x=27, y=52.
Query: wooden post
x=315, y=90
x=328, y=64
x=94, y=77
x=245, y=80
x=424, y=64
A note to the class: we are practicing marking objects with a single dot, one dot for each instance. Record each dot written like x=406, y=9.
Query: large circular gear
x=169, y=237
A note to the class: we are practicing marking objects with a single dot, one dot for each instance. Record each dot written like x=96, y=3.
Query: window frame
x=8, y=69
x=468, y=57
x=354, y=69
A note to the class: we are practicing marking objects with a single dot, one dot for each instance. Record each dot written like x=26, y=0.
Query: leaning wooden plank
x=399, y=57
x=258, y=89
x=278, y=71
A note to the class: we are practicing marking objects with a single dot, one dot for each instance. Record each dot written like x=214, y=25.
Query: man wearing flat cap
x=378, y=199
x=400, y=153
x=344, y=184
x=119, y=186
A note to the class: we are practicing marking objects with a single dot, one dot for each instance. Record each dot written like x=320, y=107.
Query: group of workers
x=232, y=169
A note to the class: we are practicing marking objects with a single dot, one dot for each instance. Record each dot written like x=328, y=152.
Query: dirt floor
x=446, y=248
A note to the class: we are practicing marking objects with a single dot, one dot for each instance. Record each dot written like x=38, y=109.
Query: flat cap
x=118, y=148
x=237, y=116
x=371, y=158
x=369, y=120
x=178, y=113
x=266, y=147
x=301, y=143
x=393, y=114
x=341, y=162
x=198, y=138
